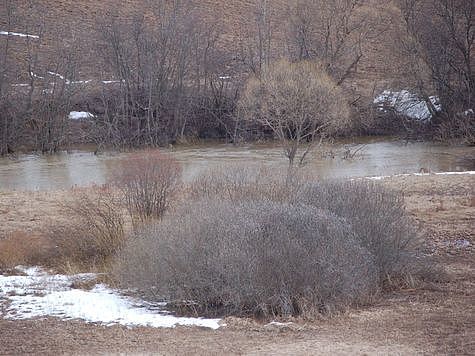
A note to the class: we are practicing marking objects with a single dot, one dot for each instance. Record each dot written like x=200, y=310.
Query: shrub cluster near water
x=247, y=242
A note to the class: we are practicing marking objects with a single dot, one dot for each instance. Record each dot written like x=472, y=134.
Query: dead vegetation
x=224, y=249
x=96, y=232
x=435, y=318
x=21, y=248
x=299, y=102
x=148, y=183
x=175, y=71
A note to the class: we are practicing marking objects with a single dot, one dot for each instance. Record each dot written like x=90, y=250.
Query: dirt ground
x=434, y=319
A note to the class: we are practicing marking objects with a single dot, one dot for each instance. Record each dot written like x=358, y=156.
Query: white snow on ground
x=7, y=33
x=79, y=81
x=56, y=75
x=67, y=81
x=39, y=294
x=407, y=103
x=462, y=243
x=36, y=76
x=276, y=323
x=111, y=81
x=422, y=174
x=78, y=115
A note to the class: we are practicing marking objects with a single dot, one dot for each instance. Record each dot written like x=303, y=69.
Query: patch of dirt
x=435, y=319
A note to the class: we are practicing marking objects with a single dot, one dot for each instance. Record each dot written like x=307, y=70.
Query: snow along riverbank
x=422, y=174
x=39, y=294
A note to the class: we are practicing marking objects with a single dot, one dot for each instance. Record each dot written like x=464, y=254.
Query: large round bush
x=250, y=257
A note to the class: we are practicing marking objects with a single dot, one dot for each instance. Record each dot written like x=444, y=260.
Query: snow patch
x=422, y=174
x=277, y=323
x=39, y=294
x=406, y=103
x=79, y=81
x=56, y=75
x=36, y=76
x=462, y=244
x=111, y=81
x=80, y=115
x=8, y=33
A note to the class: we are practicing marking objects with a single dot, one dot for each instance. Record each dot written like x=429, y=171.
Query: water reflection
x=377, y=157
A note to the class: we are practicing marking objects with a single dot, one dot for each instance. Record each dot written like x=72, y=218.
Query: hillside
x=79, y=22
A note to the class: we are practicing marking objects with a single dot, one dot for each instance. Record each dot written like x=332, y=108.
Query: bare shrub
x=458, y=128
x=147, y=180
x=97, y=231
x=378, y=218
x=248, y=257
x=377, y=214
x=251, y=242
x=238, y=181
x=299, y=102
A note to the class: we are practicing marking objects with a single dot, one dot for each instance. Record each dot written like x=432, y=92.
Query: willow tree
x=299, y=102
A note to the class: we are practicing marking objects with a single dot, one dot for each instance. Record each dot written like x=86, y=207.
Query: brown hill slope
x=77, y=22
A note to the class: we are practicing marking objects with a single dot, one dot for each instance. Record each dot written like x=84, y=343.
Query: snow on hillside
x=80, y=115
x=8, y=33
x=39, y=294
x=406, y=103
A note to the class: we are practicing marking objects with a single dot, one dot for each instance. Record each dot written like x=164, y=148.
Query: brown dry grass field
x=433, y=319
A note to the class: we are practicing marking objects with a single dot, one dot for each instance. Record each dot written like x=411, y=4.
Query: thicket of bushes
x=96, y=232
x=250, y=257
x=256, y=244
x=141, y=191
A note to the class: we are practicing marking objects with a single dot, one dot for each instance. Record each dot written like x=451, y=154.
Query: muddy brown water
x=374, y=157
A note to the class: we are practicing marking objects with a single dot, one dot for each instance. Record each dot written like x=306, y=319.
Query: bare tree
x=257, y=42
x=441, y=35
x=50, y=98
x=299, y=102
x=11, y=115
x=330, y=31
x=165, y=69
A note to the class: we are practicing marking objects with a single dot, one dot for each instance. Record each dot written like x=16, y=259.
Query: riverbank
x=434, y=319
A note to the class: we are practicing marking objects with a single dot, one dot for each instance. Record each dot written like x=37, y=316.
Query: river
x=375, y=156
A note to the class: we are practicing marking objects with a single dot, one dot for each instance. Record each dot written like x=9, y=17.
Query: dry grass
x=95, y=234
x=437, y=319
x=71, y=230
x=20, y=248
